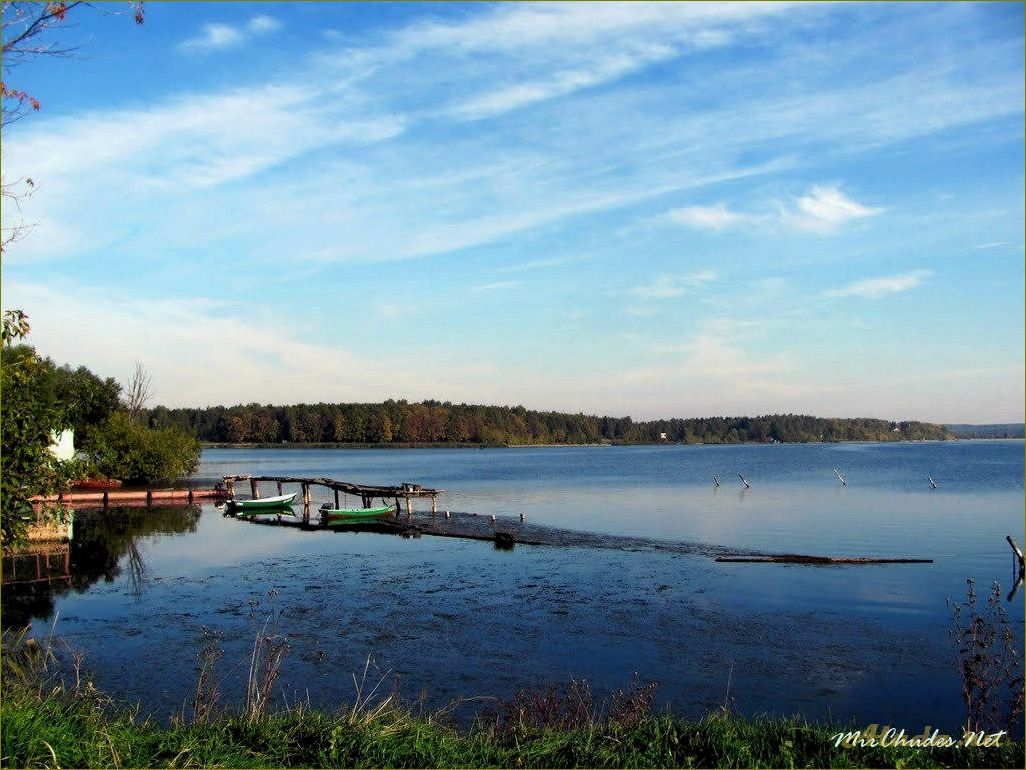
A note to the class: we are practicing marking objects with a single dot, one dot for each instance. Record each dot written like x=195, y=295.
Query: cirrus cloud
x=874, y=288
x=218, y=36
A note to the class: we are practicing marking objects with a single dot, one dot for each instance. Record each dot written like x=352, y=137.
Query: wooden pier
x=129, y=497
x=402, y=494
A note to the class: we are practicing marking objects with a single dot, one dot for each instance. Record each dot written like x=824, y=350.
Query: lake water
x=445, y=618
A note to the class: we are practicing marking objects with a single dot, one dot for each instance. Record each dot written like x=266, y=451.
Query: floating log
x=794, y=558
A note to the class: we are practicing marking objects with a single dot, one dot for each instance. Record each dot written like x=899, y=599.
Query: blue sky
x=654, y=210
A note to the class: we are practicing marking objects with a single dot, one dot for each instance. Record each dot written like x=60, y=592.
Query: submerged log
x=795, y=558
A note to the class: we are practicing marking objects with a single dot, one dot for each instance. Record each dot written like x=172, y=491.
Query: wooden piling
x=190, y=495
x=106, y=499
x=254, y=487
x=409, y=507
x=149, y=497
x=336, y=498
x=434, y=505
x=1017, y=551
x=281, y=490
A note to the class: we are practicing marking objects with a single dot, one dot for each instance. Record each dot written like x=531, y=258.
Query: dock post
x=336, y=498
x=306, y=494
x=254, y=487
x=280, y=490
x=434, y=506
x=190, y=495
x=409, y=508
x=1016, y=551
x=106, y=499
x=230, y=486
x=398, y=507
x=149, y=498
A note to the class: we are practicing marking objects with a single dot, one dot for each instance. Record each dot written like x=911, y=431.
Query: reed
x=49, y=724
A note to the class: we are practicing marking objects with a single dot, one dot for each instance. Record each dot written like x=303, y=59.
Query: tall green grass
x=49, y=724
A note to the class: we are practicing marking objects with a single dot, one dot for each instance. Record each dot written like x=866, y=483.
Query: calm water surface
x=451, y=618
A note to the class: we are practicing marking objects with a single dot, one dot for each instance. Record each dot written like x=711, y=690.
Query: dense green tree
x=89, y=400
x=30, y=416
x=124, y=449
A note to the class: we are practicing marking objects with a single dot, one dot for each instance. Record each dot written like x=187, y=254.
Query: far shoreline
x=445, y=445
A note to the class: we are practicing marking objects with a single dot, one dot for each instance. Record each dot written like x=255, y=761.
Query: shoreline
x=603, y=444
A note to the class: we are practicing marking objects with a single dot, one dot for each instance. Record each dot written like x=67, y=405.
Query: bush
x=124, y=449
x=31, y=415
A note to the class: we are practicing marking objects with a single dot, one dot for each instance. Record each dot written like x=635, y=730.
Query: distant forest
x=994, y=430
x=432, y=422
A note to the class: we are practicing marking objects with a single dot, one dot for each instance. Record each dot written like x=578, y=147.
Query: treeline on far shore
x=433, y=422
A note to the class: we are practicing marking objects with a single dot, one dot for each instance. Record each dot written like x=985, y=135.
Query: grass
x=46, y=723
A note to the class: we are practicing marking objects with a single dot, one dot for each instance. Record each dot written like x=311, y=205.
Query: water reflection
x=104, y=546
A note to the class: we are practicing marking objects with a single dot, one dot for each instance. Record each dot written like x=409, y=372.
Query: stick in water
x=747, y=485
x=839, y=476
x=933, y=484
x=716, y=480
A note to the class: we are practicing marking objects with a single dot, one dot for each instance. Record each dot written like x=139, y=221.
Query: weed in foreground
x=988, y=662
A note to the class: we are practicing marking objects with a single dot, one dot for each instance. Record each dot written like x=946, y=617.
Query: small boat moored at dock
x=261, y=505
x=339, y=516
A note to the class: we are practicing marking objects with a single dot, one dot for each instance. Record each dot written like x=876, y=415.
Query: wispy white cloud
x=716, y=217
x=555, y=49
x=217, y=36
x=992, y=245
x=498, y=285
x=722, y=351
x=667, y=286
x=535, y=264
x=261, y=25
x=874, y=288
x=824, y=209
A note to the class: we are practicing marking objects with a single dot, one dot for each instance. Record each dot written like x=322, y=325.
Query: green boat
x=261, y=505
x=339, y=516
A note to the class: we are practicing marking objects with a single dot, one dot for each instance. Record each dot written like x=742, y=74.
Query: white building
x=63, y=446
